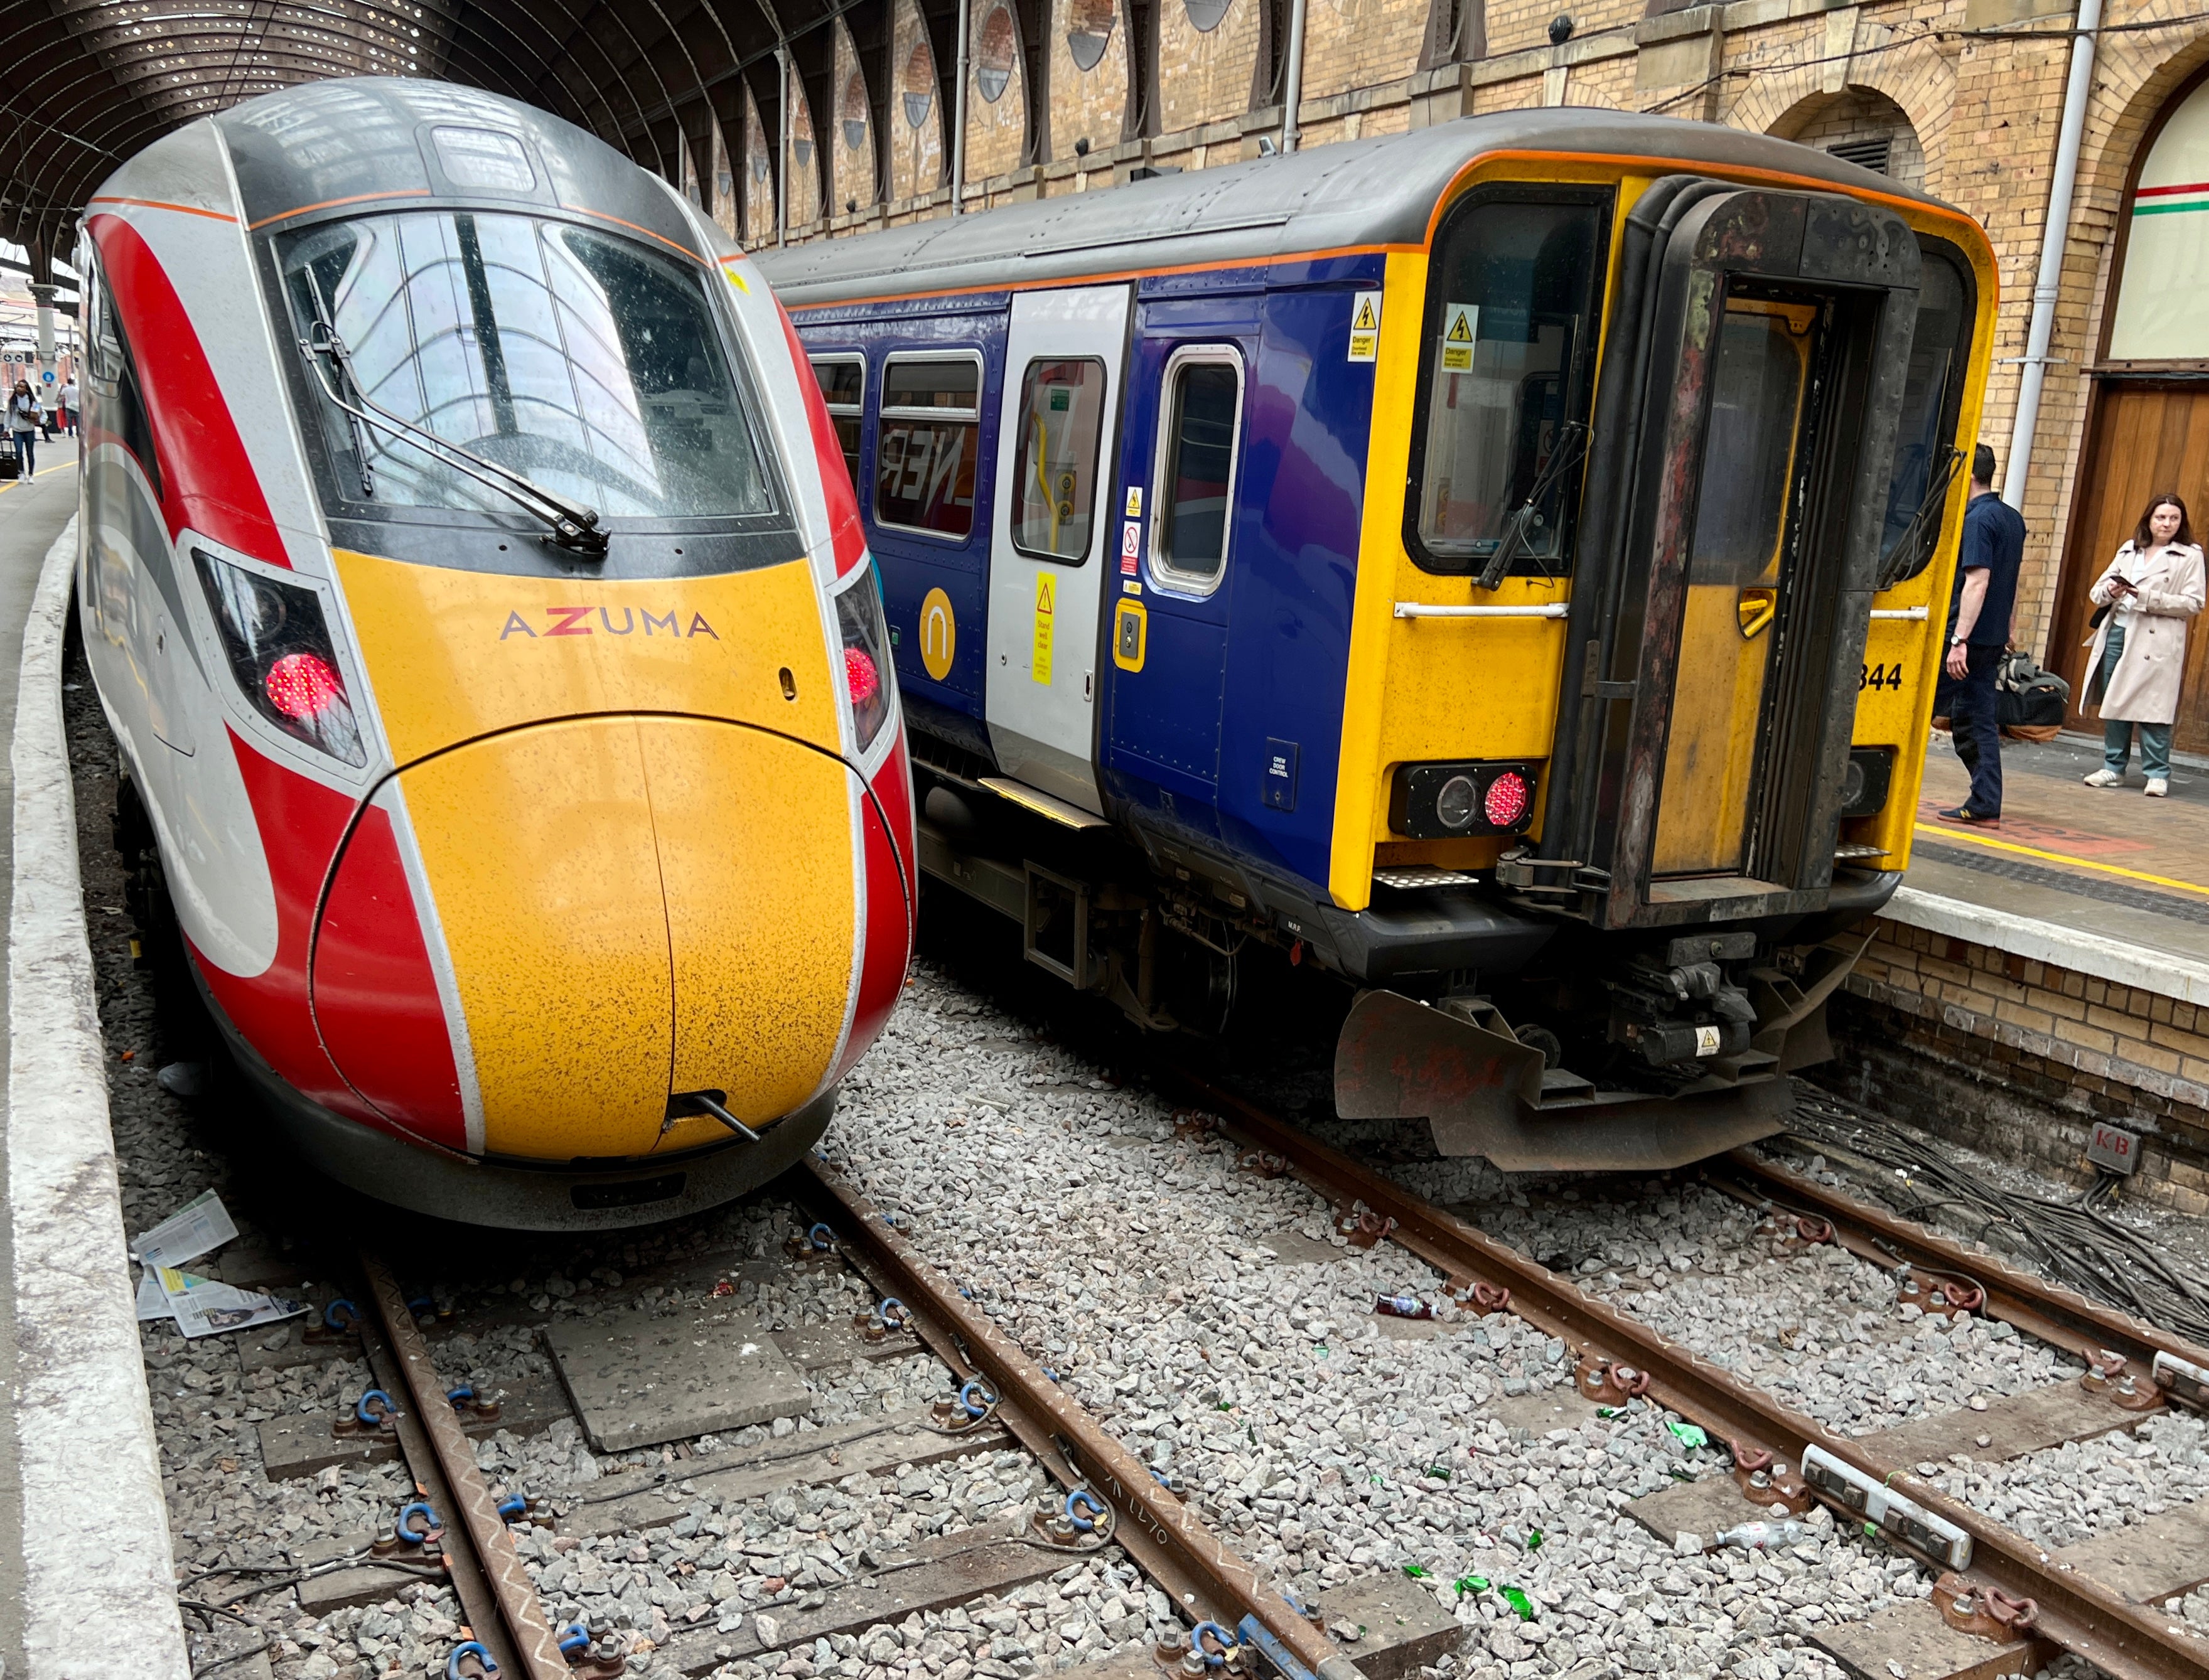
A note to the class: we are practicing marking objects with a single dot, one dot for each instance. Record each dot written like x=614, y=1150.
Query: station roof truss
x=93, y=82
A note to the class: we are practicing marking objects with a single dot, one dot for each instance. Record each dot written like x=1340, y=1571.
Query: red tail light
x=860, y=676
x=1507, y=800
x=866, y=644
x=303, y=685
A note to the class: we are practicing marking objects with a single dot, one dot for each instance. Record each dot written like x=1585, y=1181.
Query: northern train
x=1503, y=564
x=471, y=580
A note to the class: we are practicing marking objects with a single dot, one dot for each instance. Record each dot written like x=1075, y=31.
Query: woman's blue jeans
x=2117, y=734
x=26, y=452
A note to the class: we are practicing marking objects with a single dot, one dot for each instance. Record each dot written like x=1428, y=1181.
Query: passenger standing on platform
x=2152, y=588
x=1979, y=634
x=69, y=406
x=23, y=416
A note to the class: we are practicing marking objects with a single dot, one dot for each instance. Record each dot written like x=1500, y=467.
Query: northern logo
x=581, y=621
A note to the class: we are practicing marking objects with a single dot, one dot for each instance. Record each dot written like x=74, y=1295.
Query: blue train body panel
x=1229, y=736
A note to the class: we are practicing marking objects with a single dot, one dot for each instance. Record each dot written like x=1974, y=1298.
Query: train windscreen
x=584, y=361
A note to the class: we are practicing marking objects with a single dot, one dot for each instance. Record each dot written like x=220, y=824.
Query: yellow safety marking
x=58, y=466
x=760, y=913
x=939, y=633
x=1458, y=338
x=1131, y=635
x=1039, y=657
x=737, y=280
x=1943, y=832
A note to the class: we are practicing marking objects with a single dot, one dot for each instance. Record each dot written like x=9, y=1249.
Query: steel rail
x=537, y=1653
x=2056, y=1315
x=1165, y=1538
x=471, y=1583
x=2075, y=1612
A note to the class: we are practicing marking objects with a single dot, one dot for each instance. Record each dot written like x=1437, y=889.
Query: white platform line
x=99, y=1589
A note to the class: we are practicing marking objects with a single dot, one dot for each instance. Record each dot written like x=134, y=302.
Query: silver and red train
x=470, y=576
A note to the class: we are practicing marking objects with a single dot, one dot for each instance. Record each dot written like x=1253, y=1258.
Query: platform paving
x=2112, y=865
x=32, y=513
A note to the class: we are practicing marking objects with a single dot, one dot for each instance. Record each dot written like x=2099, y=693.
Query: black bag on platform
x=2028, y=698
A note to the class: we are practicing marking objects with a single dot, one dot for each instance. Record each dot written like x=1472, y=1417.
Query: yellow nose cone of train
x=644, y=887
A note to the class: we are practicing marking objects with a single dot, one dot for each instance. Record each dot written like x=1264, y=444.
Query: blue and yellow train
x=1503, y=563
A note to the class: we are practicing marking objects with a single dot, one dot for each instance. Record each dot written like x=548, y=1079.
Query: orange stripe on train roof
x=333, y=203
x=1628, y=163
x=157, y=204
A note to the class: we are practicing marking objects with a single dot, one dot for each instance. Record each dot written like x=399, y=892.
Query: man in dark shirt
x=1979, y=635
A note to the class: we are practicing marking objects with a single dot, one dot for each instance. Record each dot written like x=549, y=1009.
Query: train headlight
x=1455, y=801
x=1864, y=782
x=860, y=621
x=281, y=653
x=1441, y=801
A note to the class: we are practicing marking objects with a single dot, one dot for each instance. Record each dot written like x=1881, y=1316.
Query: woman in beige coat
x=2152, y=588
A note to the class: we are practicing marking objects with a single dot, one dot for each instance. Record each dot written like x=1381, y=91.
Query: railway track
x=1993, y=1584
x=460, y=1528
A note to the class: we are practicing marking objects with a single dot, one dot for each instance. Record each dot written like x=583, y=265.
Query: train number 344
x=1878, y=676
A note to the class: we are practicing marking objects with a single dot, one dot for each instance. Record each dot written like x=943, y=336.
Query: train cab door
x=1706, y=719
x=1057, y=436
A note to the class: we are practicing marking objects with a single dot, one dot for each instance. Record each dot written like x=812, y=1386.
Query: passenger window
x=1507, y=375
x=929, y=440
x=1055, y=494
x=843, y=391
x=1196, y=476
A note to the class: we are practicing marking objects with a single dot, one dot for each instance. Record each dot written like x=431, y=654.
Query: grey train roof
x=1358, y=192
x=310, y=149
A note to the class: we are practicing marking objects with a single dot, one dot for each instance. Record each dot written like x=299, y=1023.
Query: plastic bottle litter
x=1402, y=1306
x=1755, y=1536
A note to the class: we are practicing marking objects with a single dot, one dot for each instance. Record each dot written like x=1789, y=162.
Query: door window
x=1506, y=379
x=1055, y=488
x=843, y=391
x=929, y=440
x=1195, y=475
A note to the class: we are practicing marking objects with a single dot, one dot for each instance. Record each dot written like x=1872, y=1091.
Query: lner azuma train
x=472, y=583
x=1503, y=563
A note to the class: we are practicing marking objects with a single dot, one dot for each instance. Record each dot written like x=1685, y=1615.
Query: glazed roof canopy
x=92, y=82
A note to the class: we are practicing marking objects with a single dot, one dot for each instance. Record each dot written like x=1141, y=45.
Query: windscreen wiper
x=1908, y=551
x=1572, y=444
x=572, y=524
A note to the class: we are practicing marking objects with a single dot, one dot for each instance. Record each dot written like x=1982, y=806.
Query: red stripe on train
x=207, y=480
x=850, y=541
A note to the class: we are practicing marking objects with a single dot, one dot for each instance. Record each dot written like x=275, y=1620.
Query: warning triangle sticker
x=1042, y=595
x=1365, y=321
x=1460, y=331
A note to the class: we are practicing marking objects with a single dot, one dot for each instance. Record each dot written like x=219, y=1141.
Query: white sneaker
x=2158, y=787
x=2105, y=777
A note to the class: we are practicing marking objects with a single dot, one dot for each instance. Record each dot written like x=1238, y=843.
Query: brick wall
x=1977, y=116
x=917, y=119
x=852, y=136
x=1089, y=104
x=997, y=92
x=2020, y=1057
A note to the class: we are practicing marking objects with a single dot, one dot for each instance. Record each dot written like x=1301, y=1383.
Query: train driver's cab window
x=843, y=391
x=930, y=438
x=1201, y=427
x=1062, y=415
x=1926, y=459
x=1508, y=369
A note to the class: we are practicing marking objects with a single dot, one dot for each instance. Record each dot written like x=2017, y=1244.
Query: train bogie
x=493, y=648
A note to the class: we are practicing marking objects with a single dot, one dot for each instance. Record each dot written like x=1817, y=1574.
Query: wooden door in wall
x=2143, y=439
